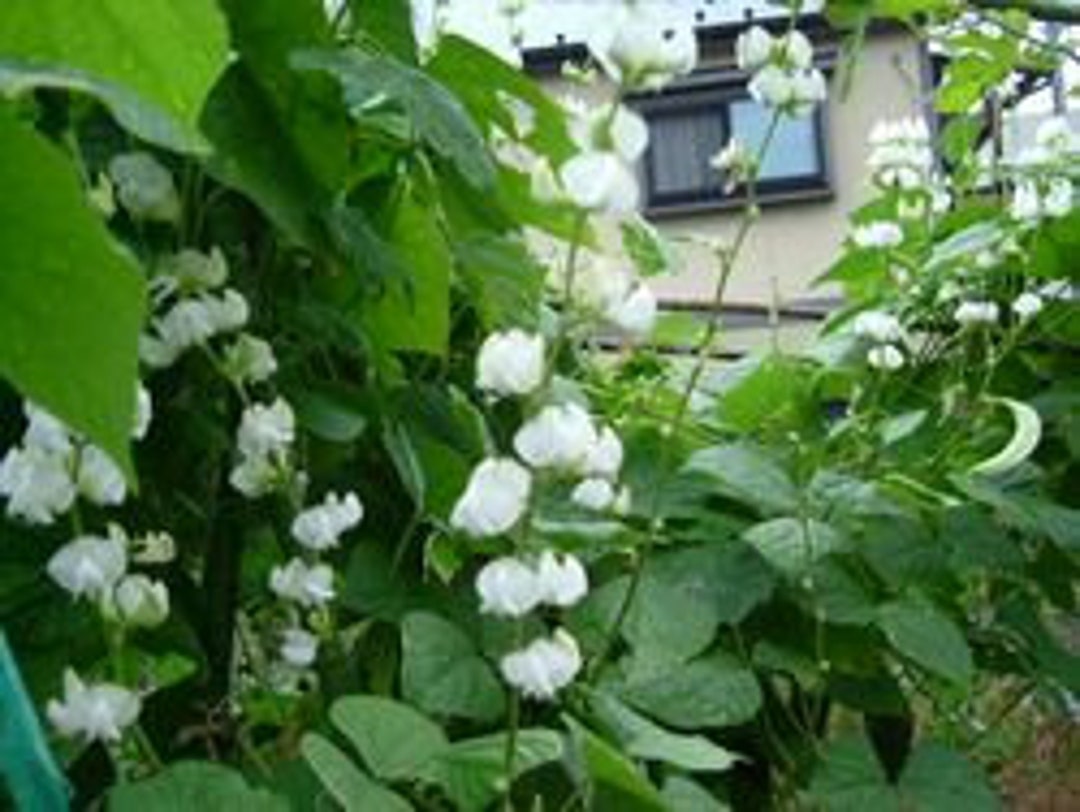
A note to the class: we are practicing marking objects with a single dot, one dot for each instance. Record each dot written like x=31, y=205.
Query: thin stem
x=149, y=752
x=728, y=259
x=513, y=722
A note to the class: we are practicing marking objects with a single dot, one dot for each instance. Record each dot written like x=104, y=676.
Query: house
x=812, y=178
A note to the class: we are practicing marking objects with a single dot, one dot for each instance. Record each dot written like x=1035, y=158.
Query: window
x=688, y=126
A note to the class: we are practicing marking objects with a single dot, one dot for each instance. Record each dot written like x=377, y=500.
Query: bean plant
x=349, y=462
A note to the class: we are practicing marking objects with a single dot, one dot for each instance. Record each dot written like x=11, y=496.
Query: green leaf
x=792, y=546
x=714, y=691
x=505, y=283
x=443, y=673
x=437, y=117
x=681, y=794
x=747, y=474
x=919, y=631
x=472, y=772
x=936, y=777
x=483, y=81
x=1029, y=513
x=390, y=23
x=851, y=779
x=646, y=740
x=187, y=785
x=334, y=412
x=646, y=247
x=769, y=391
x=414, y=313
x=71, y=300
x=152, y=63
x=394, y=740
x=615, y=782
x=347, y=783
x=295, y=167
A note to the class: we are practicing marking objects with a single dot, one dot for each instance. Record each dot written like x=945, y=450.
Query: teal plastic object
x=29, y=772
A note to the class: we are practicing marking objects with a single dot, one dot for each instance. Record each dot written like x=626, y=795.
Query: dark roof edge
x=549, y=59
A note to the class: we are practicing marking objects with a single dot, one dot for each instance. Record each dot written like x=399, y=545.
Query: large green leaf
x=389, y=22
x=414, y=312
x=347, y=783
x=472, y=772
x=746, y=473
x=71, y=300
x=713, y=691
x=278, y=136
x=614, y=781
x=152, y=63
x=936, y=777
x=646, y=740
x=187, y=785
x=851, y=779
x=792, y=546
x=443, y=673
x=505, y=282
x=393, y=739
x=681, y=794
x=919, y=631
x=436, y=117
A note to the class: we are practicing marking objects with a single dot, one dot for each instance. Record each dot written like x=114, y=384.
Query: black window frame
x=716, y=91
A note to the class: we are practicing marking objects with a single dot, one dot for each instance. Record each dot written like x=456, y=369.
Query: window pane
x=680, y=146
x=793, y=152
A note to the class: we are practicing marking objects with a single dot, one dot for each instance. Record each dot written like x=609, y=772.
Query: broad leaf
x=615, y=781
x=936, y=777
x=472, y=772
x=187, y=785
x=347, y=783
x=152, y=63
x=714, y=691
x=435, y=115
x=394, y=740
x=792, y=546
x=443, y=673
x=851, y=779
x=747, y=474
x=71, y=300
x=919, y=631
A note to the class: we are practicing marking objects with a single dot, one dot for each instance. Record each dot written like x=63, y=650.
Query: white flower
x=37, y=484
x=249, y=360
x=44, y=431
x=508, y=587
x=971, y=312
x=257, y=476
x=309, y=586
x=886, y=357
x=543, y=185
x=266, y=429
x=600, y=182
x=636, y=314
x=597, y=128
x=1027, y=305
x=144, y=187
x=494, y=500
x=543, y=667
x=227, y=312
x=600, y=285
x=753, y=48
x=94, y=712
x=605, y=456
x=320, y=527
x=878, y=234
x=629, y=134
x=89, y=566
x=140, y=601
x=185, y=325
x=144, y=412
x=878, y=326
x=794, y=93
x=1059, y=199
x=1056, y=138
x=153, y=548
x=510, y=363
x=594, y=493
x=642, y=51
x=99, y=478
x=900, y=154
x=299, y=647
x=733, y=159
x=562, y=579
x=795, y=51
x=558, y=437
x=1026, y=203
x=191, y=271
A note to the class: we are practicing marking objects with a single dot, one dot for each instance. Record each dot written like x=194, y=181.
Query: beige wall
x=794, y=243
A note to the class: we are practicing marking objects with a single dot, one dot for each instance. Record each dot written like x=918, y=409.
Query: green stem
x=513, y=722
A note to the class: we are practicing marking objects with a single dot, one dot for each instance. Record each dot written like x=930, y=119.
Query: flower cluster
x=53, y=466
x=612, y=294
x=309, y=584
x=264, y=442
x=560, y=440
x=1041, y=190
x=784, y=76
x=884, y=332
